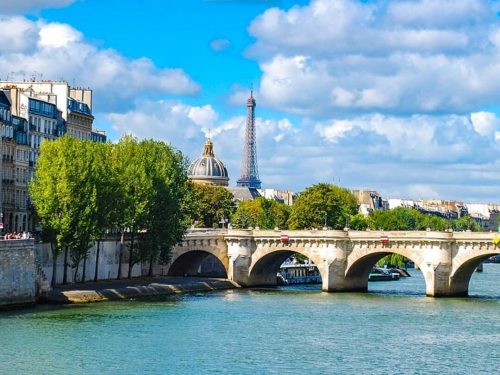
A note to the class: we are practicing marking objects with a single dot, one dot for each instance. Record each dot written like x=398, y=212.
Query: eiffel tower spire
x=249, y=170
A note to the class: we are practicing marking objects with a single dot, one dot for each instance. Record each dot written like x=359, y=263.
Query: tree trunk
x=54, y=264
x=150, y=272
x=75, y=275
x=120, y=257
x=65, y=273
x=130, y=260
x=84, y=267
x=97, y=260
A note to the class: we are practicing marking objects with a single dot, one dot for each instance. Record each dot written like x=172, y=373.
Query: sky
x=402, y=97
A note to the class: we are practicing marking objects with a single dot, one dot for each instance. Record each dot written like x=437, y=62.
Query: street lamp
x=326, y=215
x=347, y=222
x=223, y=221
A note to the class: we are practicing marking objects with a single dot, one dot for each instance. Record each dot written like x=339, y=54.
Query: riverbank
x=110, y=290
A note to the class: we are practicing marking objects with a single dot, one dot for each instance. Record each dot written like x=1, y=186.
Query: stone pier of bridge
x=344, y=258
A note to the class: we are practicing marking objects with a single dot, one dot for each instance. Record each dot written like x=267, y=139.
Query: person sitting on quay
x=17, y=236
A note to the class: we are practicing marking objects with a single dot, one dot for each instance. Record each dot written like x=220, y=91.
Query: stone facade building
x=32, y=112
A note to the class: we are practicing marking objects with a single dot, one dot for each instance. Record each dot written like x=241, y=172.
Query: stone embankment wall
x=18, y=284
x=109, y=255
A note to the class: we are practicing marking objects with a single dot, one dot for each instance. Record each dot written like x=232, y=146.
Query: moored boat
x=382, y=274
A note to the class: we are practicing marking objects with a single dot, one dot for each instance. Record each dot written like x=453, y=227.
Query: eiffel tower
x=249, y=170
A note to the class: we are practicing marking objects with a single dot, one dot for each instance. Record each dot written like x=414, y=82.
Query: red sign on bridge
x=384, y=239
x=284, y=238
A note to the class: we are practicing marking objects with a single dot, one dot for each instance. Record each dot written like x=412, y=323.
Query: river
x=394, y=328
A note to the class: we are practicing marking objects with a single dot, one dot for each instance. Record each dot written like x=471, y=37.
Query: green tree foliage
x=400, y=218
x=152, y=187
x=359, y=222
x=262, y=212
x=209, y=205
x=466, y=223
x=320, y=201
x=104, y=195
x=133, y=191
x=393, y=260
x=432, y=222
x=167, y=210
x=403, y=218
x=82, y=188
x=62, y=193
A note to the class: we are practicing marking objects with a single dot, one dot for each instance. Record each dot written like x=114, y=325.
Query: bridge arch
x=361, y=261
x=266, y=262
x=464, y=268
x=187, y=261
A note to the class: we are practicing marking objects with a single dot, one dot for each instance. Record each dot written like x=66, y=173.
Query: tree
x=466, y=223
x=323, y=202
x=400, y=218
x=359, y=222
x=62, y=195
x=394, y=260
x=151, y=203
x=210, y=204
x=168, y=206
x=262, y=212
x=105, y=194
x=133, y=192
x=431, y=222
x=44, y=193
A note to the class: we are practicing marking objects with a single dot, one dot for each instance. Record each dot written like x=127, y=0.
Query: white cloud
x=417, y=157
x=439, y=13
x=61, y=52
x=172, y=121
x=58, y=35
x=22, y=6
x=427, y=56
x=485, y=123
x=203, y=116
x=419, y=138
x=17, y=34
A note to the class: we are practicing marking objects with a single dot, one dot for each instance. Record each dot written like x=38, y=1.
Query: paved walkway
x=133, y=288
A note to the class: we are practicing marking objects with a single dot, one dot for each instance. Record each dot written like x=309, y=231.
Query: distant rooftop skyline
x=402, y=96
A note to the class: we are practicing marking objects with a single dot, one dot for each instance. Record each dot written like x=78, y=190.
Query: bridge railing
x=208, y=231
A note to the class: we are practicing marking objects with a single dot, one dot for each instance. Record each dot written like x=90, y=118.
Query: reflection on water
x=288, y=330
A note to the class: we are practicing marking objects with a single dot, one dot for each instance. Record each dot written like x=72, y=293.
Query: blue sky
x=178, y=34
x=398, y=96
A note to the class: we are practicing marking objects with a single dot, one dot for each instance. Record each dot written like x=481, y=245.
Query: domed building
x=207, y=169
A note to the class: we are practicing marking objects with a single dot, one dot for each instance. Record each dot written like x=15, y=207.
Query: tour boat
x=382, y=274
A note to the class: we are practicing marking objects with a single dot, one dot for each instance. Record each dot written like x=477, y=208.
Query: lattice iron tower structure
x=249, y=170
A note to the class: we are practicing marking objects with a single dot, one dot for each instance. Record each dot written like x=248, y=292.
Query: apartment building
x=32, y=112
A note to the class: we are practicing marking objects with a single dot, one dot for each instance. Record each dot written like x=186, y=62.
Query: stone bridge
x=344, y=258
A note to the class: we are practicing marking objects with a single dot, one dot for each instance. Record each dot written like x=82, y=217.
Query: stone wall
x=18, y=282
x=109, y=255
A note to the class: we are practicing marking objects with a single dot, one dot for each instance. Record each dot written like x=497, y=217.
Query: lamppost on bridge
x=223, y=221
x=326, y=215
x=347, y=223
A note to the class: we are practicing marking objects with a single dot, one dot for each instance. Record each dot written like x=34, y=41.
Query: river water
x=394, y=328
